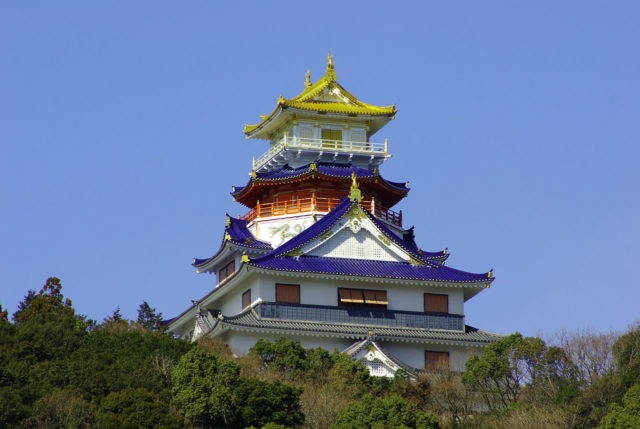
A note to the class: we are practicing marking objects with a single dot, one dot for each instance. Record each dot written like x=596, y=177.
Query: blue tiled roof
x=240, y=235
x=369, y=268
x=329, y=169
x=314, y=230
x=429, y=271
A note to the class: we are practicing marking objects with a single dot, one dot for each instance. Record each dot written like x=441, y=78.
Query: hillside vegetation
x=59, y=369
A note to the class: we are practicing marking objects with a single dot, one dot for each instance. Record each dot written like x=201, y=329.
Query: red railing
x=317, y=204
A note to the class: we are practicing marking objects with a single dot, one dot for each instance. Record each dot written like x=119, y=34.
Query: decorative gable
x=359, y=245
x=355, y=236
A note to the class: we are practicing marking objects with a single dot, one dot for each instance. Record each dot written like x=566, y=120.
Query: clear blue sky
x=518, y=128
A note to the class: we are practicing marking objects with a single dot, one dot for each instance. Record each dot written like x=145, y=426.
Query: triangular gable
x=348, y=214
x=355, y=235
x=379, y=362
x=355, y=239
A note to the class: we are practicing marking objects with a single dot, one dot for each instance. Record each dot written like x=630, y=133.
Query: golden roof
x=327, y=96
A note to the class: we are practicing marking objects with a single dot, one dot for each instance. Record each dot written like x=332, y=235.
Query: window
x=331, y=138
x=362, y=298
x=226, y=271
x=246, y=299
x=288, y=293
x=375, y=367
x=436, y=361
x=435, y=303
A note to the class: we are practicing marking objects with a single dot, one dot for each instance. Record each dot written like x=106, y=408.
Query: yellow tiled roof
x=327, y=85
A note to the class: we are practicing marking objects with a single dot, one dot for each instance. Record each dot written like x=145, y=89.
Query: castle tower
x=322, y=257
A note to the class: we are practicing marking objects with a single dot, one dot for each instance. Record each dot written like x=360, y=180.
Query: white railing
x=321, y=145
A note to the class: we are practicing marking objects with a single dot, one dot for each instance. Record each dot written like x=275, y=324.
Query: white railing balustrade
x=321, y=145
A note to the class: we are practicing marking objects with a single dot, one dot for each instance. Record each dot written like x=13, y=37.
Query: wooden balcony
x=318, y=204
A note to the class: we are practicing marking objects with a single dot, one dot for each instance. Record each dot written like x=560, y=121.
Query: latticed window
x=331, y=138
x=436, y=303
x=288, y=293
x=375, y=367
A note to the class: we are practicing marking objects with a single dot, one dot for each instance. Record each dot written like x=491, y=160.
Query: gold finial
x=253, y=174
x=307, y=79
x=245, y=257
x=376, y=171
x=228, y=221
x=446, y=251
x=355, y=194
x=490, y=275
x=330, y=61
x=227, y=236
x=313, y=167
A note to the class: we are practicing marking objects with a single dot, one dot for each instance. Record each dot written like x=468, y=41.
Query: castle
x=322, y=257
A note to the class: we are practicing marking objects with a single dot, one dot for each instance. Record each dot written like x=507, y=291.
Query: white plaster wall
x=413, y=353
x=279, y=229
x=231, y=303
x=325, y=292
x=240, y=342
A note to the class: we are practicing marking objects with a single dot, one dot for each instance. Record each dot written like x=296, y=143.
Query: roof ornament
x=245, y=257
x=490, y=274
x=313, y=167
x=355, y=194
x=330, y=61
x=307, y=79
x=253, y=174
x=228, y=221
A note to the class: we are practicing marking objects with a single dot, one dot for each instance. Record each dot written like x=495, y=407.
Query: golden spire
x=355, y=194
x=330, y=61
x=307, y=79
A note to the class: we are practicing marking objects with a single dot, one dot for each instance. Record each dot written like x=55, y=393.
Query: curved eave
x=283, y=111
x=243, y=195
x=248, y=320
x=227, y=246
x=476, y=284
x=220, y=290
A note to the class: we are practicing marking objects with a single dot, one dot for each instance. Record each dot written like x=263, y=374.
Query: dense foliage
x=59, y=369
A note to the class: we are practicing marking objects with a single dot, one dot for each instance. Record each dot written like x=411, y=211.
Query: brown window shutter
x=246, y=299
x=436, y=303
x=436, y=361
x=381, y=297
x=375, y=297
x=288, y=293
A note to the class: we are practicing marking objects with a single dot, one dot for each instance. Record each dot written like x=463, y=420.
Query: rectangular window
x=362, y=298
x=246, y=299
x=288, y=293
x=436, y=361
x=331, y=138
x=226, y=271
x=436, y=303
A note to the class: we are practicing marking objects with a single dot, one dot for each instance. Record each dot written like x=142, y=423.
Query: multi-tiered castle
x=322, y=258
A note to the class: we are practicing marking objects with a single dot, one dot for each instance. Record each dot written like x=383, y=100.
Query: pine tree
x=148, y=318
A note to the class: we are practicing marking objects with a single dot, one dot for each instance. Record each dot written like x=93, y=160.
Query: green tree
x=148, y=318
x=292, y=360
x=626, y=416
x=508, y=366
x=258, y=403
x=392, y=412
x=203, y=387
x=136, y=408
